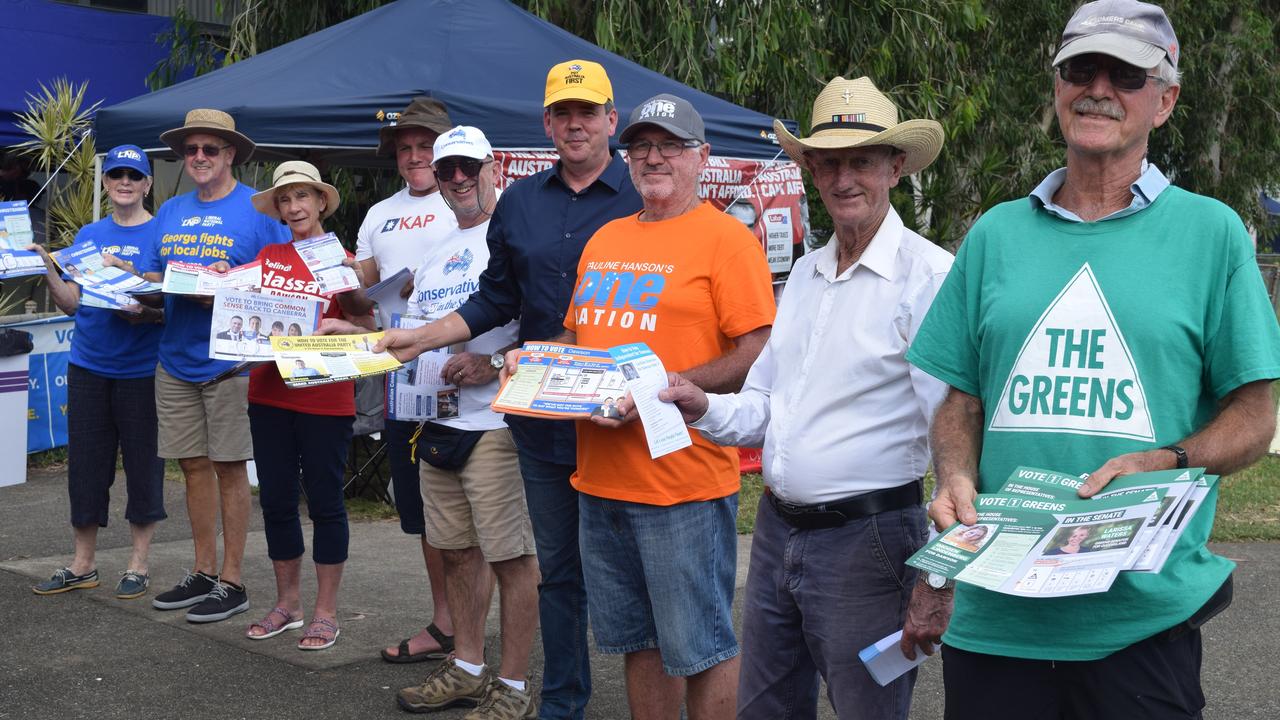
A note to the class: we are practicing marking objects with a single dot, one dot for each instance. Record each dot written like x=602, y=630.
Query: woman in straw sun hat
x=304, y=432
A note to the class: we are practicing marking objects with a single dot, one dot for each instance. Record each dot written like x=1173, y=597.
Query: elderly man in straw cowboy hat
x=843, y=420
x=206, y=429
x=1108, y=324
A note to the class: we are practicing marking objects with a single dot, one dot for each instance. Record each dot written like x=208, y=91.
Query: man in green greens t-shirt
x=1110, y=323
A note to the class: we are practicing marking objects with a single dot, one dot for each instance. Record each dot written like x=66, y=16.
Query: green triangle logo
x=1075, y=373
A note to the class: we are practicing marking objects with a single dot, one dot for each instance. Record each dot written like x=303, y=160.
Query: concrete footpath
x=85, y=654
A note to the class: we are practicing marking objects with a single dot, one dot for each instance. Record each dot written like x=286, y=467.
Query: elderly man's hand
x=688, y=398
x=928, y=615
x=468, y=369
x=953, y=503
x=626, y=413
x=338, y=326
x=1128, y=464
x=407, y=290
x=510, y=364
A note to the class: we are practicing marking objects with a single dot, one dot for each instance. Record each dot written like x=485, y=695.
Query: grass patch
x=55, y=458
x=364, y=509
x=1248, y=503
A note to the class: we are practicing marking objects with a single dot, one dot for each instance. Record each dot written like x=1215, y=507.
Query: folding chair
x=366, y=468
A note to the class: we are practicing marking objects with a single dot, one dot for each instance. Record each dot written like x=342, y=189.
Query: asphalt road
x=85, y=654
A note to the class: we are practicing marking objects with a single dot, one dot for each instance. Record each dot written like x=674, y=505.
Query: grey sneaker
x=445, y=686
x=505, y=703
x=223, y=601
x=132, y=584
x=190, y=590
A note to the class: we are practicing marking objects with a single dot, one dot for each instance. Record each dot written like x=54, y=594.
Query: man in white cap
x=206, y=428
x=1111, y=323
x=397, y=233
x=474, y=502
x=843, y=420
x=537, y=234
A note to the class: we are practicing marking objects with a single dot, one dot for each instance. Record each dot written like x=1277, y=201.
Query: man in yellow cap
x=536, y=236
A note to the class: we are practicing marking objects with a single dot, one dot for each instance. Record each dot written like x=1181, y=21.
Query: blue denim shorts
x=661, y=577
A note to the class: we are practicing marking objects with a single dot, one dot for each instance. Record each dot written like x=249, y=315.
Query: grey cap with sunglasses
x=1137, y=33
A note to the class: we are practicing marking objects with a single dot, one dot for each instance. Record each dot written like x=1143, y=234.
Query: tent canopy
x=486, y=59
x=45, y=40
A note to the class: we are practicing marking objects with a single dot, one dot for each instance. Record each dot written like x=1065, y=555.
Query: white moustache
x=1098, y=107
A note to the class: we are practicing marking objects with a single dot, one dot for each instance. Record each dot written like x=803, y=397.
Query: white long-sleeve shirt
x=832, y=399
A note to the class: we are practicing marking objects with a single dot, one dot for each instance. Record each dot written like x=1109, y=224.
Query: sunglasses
x=446, y=168
x=117, y=173
x=211, y=151
x=1082, y=70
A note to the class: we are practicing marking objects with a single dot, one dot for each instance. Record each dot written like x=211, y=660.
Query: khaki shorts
x=210, y=422
x=482, y=504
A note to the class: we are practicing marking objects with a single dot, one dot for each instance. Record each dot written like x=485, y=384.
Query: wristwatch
x=1182, y=454
x=497, y=360
x=938, y=582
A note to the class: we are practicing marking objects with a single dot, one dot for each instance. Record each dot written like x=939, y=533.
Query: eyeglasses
x=1081, y=71
x=446, y=168
x=639, y=150
x=117, y=173
x=211, y=151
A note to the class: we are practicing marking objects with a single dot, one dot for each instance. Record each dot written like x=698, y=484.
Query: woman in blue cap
x=111, y=389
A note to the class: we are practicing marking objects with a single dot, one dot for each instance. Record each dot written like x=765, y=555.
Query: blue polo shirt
x=536, y=236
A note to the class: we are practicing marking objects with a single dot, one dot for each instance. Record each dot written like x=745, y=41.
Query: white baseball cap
x=462, y=141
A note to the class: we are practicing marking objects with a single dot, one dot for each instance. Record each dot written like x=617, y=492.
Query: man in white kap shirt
x=843, y=420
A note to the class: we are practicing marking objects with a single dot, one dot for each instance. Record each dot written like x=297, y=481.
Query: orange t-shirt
x=684, y=287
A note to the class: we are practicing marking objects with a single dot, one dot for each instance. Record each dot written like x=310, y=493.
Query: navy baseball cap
x=127, y=156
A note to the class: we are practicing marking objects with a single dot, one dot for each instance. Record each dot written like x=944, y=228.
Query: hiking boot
x=223, y=601
x=132, y=584
x=191, y=590
x=445, y=686
x=64, y=580
x=506, y=703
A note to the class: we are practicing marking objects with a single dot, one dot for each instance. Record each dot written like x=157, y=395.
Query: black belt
x=835, y=514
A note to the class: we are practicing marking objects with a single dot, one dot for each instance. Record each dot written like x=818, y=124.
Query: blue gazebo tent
x=327, y=94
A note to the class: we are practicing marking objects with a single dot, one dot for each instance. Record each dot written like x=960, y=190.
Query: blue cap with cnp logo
x=127, y=156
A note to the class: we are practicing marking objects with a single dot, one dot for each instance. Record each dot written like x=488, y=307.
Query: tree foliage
x=980, y=67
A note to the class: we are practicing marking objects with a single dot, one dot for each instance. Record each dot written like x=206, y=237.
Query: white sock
x=517, y=684
x=474, y=670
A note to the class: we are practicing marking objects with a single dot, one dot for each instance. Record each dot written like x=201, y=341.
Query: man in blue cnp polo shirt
x=536, y=235
x=207, y=428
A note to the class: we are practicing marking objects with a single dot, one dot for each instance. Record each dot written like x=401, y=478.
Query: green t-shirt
x=1085, y=341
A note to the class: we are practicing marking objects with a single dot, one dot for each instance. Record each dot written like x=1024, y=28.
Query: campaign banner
x=47, y=381
x=768, y=197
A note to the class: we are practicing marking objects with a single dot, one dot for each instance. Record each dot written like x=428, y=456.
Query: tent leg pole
x=97, y=187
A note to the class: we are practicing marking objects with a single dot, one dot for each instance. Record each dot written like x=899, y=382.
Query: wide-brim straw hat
x=291, y=173
x=209, y=122
x=853, y=113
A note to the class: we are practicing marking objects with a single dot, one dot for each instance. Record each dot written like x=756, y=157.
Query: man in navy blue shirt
x=535, y=238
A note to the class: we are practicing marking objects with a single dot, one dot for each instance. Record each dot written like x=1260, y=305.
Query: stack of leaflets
x=323, y=359
x=561, y=382
x=567, y=382
x=15, y=235
x=244, y=323
x=1037, y=538
x=184, y=278
x=387, y=291
x=416, y=391
x=322, y=256
x=100, y=285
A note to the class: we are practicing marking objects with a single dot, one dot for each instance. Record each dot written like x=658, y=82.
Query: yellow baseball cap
x=578, y=80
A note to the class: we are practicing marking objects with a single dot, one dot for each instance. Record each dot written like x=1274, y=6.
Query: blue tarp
x=486, y=59
x=44, y=40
